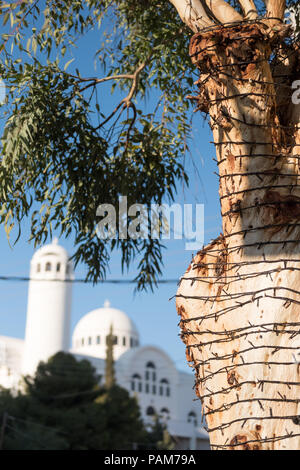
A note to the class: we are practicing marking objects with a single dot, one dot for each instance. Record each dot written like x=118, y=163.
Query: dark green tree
x=63, y=381
x=64, y=408
x=124, y=426
x=158, y=436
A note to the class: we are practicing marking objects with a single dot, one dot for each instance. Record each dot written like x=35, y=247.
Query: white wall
x=48, y=313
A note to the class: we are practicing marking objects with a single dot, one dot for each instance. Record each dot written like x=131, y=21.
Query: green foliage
x=63, y=382
x=124, y=427
x=159, y=437
x=60, y=155
x=64, y=408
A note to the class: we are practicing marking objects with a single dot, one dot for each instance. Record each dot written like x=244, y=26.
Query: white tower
x=49, y=305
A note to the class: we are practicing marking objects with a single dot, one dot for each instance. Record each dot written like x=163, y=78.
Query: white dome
x=90, y=333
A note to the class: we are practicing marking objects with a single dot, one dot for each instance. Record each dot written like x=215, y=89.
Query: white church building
x=147, y=372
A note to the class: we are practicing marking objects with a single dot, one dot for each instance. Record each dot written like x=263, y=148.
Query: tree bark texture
x=239, y=300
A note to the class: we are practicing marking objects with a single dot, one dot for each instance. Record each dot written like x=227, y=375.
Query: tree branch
x=249, y=9
x=223, y=11
x=192, y=14
x=127, y=101
x=275, y=10
x=95, y=81
x=201, y=14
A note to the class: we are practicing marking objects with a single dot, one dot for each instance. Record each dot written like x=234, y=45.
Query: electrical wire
x=83, y=281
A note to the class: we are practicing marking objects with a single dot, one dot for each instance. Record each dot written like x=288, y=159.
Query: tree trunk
x=239, y=298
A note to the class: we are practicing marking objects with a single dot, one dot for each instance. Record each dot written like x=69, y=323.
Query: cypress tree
x=110, y=379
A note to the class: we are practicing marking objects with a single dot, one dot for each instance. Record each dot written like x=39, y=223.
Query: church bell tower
x=49, y=305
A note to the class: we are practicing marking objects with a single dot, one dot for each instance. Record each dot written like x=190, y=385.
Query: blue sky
x=153, y=313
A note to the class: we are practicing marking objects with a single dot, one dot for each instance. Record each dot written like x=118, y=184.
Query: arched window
x=124, y=340
x=58, y=267
x=82, y=341
x=48, y=266
x=165, y=414
x=38, y=268
x=151, y=365
x=164, y=388
x=89, y=341
x=98, y=339
x=192, y=418
x=136, y=383
x=150, y=371
x=150, y=411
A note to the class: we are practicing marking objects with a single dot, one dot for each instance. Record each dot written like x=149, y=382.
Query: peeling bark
x=239, y=299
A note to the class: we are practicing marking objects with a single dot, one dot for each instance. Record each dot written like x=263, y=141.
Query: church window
x=150, y=411
x=136, y=383
x=58, y=267
x=90, y=340
x=124, y=340
x=164, y=388
x=150, y=375
x=131, y=342
x=38, y=268
x=48, y=266
x=82, y=341
x=147, y=388
x=192, y=418
x=150, y=365
x=98, y=340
